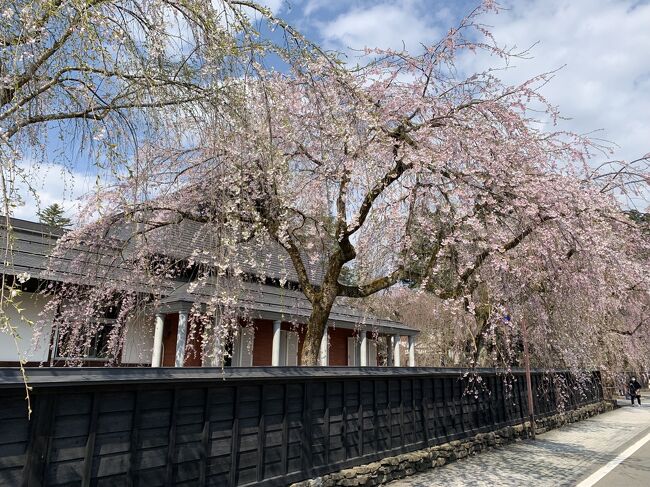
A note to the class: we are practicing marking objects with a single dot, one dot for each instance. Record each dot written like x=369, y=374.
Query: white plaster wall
x=138, y=341
x=32, y=305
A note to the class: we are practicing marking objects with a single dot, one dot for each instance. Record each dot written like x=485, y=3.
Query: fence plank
x=285, y=431
x=261, y=435
x=90, y=442
x=36, y=456
x=375, y=419
x=344, y=419
x=205, y=436
x=389, y=410
x=401, y=411
x=326, y=423
x=360, y=418
x=134, y=439
x=425, y=411
x=307, y=439
x=171, y=445
x=234, y=439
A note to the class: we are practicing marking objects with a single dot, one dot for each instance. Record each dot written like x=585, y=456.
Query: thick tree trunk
x=315, y=328
x=482, y=313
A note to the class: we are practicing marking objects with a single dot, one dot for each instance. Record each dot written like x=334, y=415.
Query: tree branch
x=93, y=113
x=389, y=178
x=628, y=332
x=377, y=285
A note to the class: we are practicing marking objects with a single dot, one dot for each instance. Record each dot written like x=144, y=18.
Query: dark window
x=98, y=349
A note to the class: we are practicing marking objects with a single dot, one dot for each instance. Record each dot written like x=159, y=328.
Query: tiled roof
x=190, y=238
x=30, y=251
x=29, y=246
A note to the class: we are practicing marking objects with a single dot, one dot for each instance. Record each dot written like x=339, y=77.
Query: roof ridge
x=32, y=226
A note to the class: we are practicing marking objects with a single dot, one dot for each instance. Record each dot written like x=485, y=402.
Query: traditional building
x=272, y=335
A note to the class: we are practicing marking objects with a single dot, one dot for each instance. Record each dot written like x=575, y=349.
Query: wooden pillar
x=180, y=338
x=324, y=351
x=156, y=355
x=275, y=355
x=411, y=351
x=363, y=359
x=389, y=351
x=397, y=343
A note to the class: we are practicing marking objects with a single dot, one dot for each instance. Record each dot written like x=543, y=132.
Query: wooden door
x=169, y=340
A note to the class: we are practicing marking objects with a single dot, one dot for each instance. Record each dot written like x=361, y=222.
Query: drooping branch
x=462, y=285
x=268, y=212
x=96, y=113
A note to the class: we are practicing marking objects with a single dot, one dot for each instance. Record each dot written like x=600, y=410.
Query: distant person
x=635, y=389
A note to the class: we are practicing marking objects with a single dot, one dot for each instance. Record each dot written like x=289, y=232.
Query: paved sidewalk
x=561, y=457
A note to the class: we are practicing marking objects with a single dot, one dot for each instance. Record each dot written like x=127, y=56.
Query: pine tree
x=54, y=216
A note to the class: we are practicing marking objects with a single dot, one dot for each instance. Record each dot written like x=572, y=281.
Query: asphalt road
x=632, y=471
x=612, y=449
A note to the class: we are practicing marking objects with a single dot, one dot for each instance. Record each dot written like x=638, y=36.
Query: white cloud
x=384, y=25
x=603, y=46
x=51, y=183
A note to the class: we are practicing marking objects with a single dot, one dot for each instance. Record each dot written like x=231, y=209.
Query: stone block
x=460, y=454
x=390, y=461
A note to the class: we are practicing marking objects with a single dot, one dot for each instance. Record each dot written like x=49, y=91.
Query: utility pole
x=531, y=412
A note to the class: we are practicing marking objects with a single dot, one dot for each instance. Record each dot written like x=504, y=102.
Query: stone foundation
x=400, y=466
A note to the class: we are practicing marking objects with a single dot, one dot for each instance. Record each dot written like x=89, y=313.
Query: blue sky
x=603, y=47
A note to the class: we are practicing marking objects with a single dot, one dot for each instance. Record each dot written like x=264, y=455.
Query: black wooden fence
x=248, y=426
